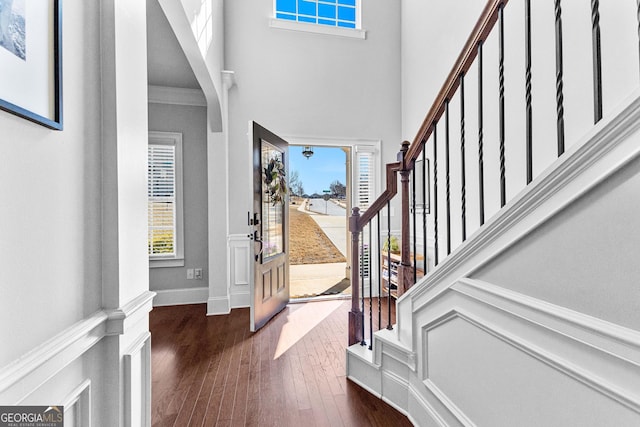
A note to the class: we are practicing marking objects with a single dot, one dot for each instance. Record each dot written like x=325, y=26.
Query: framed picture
x=30, y=60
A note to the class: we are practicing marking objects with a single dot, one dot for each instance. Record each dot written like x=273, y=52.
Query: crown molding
x=176, y=96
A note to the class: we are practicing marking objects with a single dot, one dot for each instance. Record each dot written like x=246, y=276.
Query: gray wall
x=191, y=121
x=304, y=84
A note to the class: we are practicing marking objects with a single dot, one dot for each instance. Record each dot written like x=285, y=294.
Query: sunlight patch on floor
x=301, y=320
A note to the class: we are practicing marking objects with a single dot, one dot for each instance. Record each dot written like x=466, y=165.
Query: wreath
x=275, y=180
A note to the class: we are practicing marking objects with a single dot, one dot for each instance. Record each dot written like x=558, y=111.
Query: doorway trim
x=353, y=146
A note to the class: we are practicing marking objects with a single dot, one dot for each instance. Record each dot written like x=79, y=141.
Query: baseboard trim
x=218, y=305
x=240, y=300
x=181, y=296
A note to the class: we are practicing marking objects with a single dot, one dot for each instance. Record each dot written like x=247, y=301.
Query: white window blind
x=164, y=190
x=365, y=179
x=162, y=199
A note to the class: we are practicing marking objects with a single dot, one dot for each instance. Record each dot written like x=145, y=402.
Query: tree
x=295, y=185
x=338, y=189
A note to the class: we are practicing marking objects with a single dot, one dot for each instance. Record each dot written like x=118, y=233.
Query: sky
x=327, y=164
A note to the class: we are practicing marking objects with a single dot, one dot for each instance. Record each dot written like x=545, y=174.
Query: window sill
x=166, y=262
x=318, y=29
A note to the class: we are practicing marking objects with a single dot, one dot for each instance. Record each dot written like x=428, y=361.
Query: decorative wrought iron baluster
x=413, y=218
x=481, y=136
x=638, y=16
x=597, y=60
x=435, y=193
x=424, y=205
x=364, y=342
x=559, y=80
x=447, y=176
x=529, y=111
x=370, y=290
x=503, y=186
x=463, y=177
x=389, y=327
x=379, y=252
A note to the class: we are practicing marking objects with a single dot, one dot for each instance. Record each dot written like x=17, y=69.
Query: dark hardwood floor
x=211, y=371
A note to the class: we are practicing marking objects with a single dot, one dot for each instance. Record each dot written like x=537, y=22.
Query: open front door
x=270, y=222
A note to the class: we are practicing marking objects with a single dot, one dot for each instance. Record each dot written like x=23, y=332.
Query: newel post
x=355, y=315
x=405, y=269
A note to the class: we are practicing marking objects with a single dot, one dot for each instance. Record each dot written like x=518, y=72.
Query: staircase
x=532, y=316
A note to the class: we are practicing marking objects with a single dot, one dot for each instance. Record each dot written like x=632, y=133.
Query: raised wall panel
x=544, y=364
x=240, y=270
x=137, y=384
x=77, y=406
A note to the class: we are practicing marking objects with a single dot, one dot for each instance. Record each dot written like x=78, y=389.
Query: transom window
x=335, y=13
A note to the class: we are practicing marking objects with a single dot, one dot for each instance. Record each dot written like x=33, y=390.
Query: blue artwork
x=13, y=35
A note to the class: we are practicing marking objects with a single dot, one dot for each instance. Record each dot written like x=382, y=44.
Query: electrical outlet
x=189, y=273
x=198, y=273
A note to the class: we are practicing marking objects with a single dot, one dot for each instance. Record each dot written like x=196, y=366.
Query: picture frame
x=31, y=61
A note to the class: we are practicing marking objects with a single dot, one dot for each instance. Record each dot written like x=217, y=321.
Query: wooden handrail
x=479, y=34
x=386, y=196
x=463, y=63
x=406, y=160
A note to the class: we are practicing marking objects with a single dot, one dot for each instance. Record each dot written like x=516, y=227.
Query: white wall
x=595, y=239
x=433, y=35
x=304, y=84
x=73, y=221
x=50, y=214
x=191, y=121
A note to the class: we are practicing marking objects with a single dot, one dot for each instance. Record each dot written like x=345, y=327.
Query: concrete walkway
x=308, y=280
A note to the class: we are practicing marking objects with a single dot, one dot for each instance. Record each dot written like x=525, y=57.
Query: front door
x=270, y=222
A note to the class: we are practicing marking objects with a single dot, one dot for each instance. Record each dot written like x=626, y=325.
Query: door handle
x=258, y=240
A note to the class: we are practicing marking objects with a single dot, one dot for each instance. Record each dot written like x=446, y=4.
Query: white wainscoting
x=47, y=373
x=239, y=270
x=545, y=364
x=137, y=382
x=77, y=406
x=487, y=355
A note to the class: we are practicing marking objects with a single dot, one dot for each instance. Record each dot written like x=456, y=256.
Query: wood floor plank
x=211, y=371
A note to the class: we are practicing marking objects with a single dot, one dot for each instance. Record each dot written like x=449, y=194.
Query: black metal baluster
x=370, y=290
x=435, y=192
x=480, y=136
x=389, y=284
x=364, y=342
x=638, y=16
x=462, y=162
x=503, y=187
x=424, y=205
x=559, y=80
x=413, y=208
x=379, y=272
x=597, y=60
x=447, y=175
x=529, y=111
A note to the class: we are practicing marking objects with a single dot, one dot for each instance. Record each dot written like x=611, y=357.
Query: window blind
x=161, y=188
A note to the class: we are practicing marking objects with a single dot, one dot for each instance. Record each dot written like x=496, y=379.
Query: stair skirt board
x=545, y=364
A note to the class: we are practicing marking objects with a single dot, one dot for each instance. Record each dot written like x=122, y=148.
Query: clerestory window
x=335, y=13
